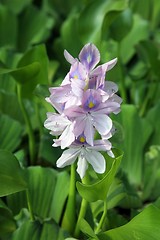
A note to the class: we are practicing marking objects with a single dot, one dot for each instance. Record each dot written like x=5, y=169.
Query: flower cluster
x=84, y=101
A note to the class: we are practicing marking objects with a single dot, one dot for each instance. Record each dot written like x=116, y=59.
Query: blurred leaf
x=153, y=118
x=143, y=8
x=122, y=25
x=144, y=226
x=139, y=31
x=9, y=182
x=16, y=6
x=69, y=32
x=91, y=18
x=99, y=190
x=32, y=70
x=7, y=223
x=136, y=134
x=8, y=29
x=9, y=105
x=151, y=176
x=149, y=53
x=46, y=151
x=11, y=132
x=37, y=27
x=38, y=231
x=47, y=199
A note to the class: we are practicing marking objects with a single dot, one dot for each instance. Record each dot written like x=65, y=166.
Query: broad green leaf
x=144, y=226
x=122, y=25
x=99, y=190
x=11, y=133
x=7, y=223
x=139, y=31
x=91, y=18
x=48, y=192
x=38, y=25
x=151, y=176
x=9, y=106
x=136, y=134
x=86, y=229
x=8, y=29
x=38, y=231
x=32, y=69
x=143, y=8
x=153, y=118
x=11, y=175
x=16, y=6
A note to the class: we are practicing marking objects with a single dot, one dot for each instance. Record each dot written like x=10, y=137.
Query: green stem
x=82, y=213
x=102, y=218
x=69, y=218
x=29, y=205
x=28, y=125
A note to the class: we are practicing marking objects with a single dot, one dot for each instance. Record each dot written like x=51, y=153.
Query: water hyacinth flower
x=84, y=102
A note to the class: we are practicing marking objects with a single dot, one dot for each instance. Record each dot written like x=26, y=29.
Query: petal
x=67, y=137
x=89, y=131
x=56, y=122
x=89, y=56
x=96, y=159
x=68, y=157
x=110, y=87
x=102, y=123
x=82, y=166
x=79, y=126
x=69, y=57
x=101, y=145
x=74, y=112
x=78, y=71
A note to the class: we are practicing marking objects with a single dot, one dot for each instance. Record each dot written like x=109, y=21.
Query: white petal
x=67, y=136
x=89, y=131
x=56, y=122
x=96, y=159
x=111, y=154
x=102, y=123
x=68, y=157
x=69, y=57
x=82, y=166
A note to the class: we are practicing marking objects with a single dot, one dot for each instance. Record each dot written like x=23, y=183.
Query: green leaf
x=86, y=229
x=16, y=6
x=91, y=19
x=122, y=25
x=9, y=182
x=32, y=69
x=151, y=176
x=144, y=226
x=136, y=134
x=7, y=223
x=9, y=106
x=11, y=132
x=8, y=29
x=38, y=231
x=139, y=31
x=99, y=190
x=33, y=19
x=48, y=192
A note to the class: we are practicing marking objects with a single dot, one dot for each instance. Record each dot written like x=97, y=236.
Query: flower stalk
x=28, y=125
x=69, y=217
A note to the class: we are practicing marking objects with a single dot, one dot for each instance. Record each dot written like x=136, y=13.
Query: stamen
x=91, y=104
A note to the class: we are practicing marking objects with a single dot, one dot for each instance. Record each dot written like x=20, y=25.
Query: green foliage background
x=33, y=36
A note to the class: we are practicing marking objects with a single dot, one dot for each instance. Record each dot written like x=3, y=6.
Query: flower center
x=82, y=139
x=91, y=104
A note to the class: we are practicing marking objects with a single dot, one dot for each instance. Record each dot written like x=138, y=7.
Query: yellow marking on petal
x=75, y=76
x=91, y=105
x=82, y=139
